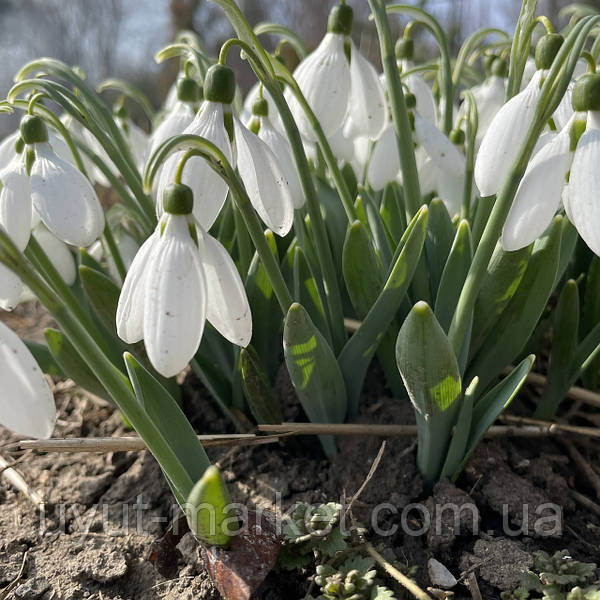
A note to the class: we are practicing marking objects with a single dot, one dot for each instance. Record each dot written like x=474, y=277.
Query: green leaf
x=332, y=543
x=261, y=398
x=483, y=209
x=431, y=376
x=564, y=345
x=103, y=295
x=350, y=178
x=488, y=408
x=71, y=364
x=44, y=358
x=356, y=355
x=518, y=320
x=591, y=316
x=462, y=431
x=504, y=274
x=380, y=592
x=165, y=413
x=440, y=235
x=567, y=248
x=377, y=229
x=87, y=260
x=392, y=212
x=306, y=292
x=314, y=372
x=364, y=277
x=266, y=315
x=209, y=510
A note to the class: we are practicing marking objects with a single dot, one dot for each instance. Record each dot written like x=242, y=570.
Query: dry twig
x=14, y=478
x=584, y=465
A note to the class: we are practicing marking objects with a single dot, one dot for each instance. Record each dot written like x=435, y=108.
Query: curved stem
x=285, y=33
x=471, y=133
x=129, y=91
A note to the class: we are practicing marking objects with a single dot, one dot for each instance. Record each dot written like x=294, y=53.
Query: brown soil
x=104, y=511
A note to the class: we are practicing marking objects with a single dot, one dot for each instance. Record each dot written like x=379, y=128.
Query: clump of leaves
x=311, y=530
x=557, y=577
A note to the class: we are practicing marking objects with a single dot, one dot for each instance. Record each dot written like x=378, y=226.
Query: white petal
x=15, y=202
x=565, y=109
x=264, y=179
x=175, y=303
x=450, y=189
x=130, y=309
x=64, y=199
x=489, y=97
x=384, y=165
x=128, y=249
x=26, y=403
x=280, y=147
x=7, y=148
x=425, y=106
x=174, y=123
x=445, y=155
x=504, y=138
x=253, y=94
x=11, y=288
x=210, y=190
x=324, y=79
x=138, y=142
x=367, y=107
x=341, y=145
x=228, y=308
x=538, y=195
x=584, y=185
x=58, y=253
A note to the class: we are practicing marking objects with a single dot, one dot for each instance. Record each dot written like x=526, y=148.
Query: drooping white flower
x=539, y=194
x=15, y=201
x=26, y=402
x=281, y=148
x=584, y=184
x=7, y=149
x=504, y=138
x=174, y=123
x=324, y=79
x=384, y=165
x=264, y=179
x=58, y=253
x=64, y=199
x=489, y=98
x=175, y=282
x=210, y=190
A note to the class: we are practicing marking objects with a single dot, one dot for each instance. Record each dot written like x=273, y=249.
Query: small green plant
x=557, y=577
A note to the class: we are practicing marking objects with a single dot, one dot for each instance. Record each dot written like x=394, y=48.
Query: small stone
x=439, y=575
x=32, y=589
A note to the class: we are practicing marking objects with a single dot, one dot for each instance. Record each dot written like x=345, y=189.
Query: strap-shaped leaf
x=360, y=348
x=564, y=343
x=44, y=358
x=567, y=248
x=306, y=292
x=591, y=316
x=518, y=320
x=314, y=372
x=261, y=398
x=364, y=276
x=491, y=406
x=377, y=229
x=165, y=413
x=71, y=364
x=440, y=235
x=504, y=274
x=431, y=376
x=103, y=295
x=392, y=211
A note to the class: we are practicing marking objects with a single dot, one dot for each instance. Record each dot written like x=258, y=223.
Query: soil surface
x=102, y=512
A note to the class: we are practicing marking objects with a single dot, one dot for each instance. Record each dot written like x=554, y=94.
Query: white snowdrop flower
x=11, y=289
x=62, y=197
x=7, y=148
x=384, y=164
x=425, y=102
x=180, y=277
x=257, y=91
x=504, y=138
x=584, y=181
x=15, y=201
x=26, y=403
x=264, y=179
x=539, y=194
x=137, y=139
x=528, y=72
x=58, y=253
x=341, y=144
x=210, y=190
x=362, y=148
x=174, y=123
x=367, y=104
x=489, y=98
x=324, y=77
x=281, y=148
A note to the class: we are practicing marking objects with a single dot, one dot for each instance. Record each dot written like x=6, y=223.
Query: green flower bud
x=178, y=199
x=254, y=125
x=586, y=92
x=219, y=84
x=19, y=145
x=405, y=48
x=499, y=67
x=410, y=99
x=260, y=107
x=340, y=19
x=457, y=137
x=33, y=129
x=488, y=61
x=546, y=49
x=188, y=90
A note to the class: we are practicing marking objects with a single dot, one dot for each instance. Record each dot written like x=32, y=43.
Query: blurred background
x=120, y=37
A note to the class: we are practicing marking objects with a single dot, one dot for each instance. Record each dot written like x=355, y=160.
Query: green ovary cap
x=586, y=92
x=188, y=90
x=546, y=49
x=178, y=199
x=340, y=19
x=260, y=107
x=219, y=84
x=405, y=48
x=33, y=129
